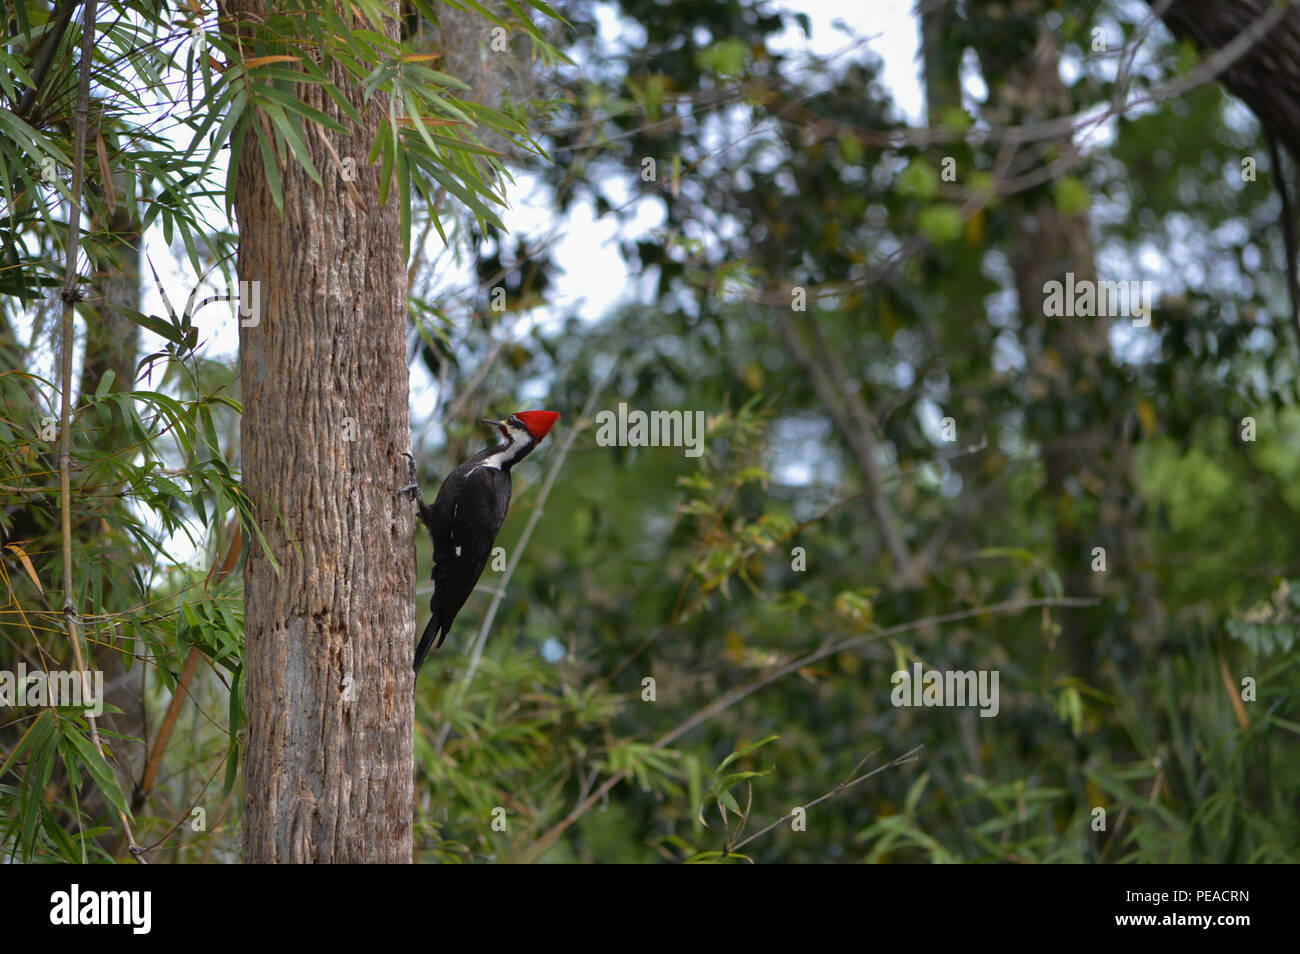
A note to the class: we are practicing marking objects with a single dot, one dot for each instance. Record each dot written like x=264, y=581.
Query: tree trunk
x=1267, y=75
x=112, y=344
x=1087, y=459
x=329, y=634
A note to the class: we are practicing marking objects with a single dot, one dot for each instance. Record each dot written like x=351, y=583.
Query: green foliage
x=1269, y=626
x=723, y=781
x=151, y=466
x=1217, y=516
x=690, y=647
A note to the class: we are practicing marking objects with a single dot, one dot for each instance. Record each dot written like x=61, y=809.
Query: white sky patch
x=799, y=455
x=892, y=34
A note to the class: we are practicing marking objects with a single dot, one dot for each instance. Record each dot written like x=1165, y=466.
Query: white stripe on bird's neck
x=518, y=443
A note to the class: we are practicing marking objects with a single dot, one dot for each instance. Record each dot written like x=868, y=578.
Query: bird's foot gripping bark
x=413, y=488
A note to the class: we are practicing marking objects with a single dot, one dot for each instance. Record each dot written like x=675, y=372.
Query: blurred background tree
x=909, y=459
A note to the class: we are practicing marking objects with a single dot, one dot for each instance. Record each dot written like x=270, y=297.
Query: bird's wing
x=463, y=545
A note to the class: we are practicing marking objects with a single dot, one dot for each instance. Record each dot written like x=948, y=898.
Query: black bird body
x=467, y=515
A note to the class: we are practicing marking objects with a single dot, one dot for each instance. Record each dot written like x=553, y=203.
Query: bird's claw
x=413, y=488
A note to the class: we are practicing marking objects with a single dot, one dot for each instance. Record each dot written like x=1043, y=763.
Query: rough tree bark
x=1267, y=76
x=329, y=689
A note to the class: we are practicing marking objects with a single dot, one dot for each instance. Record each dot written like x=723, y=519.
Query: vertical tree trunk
x=329, y=689
x=940, y=66
x=112, y=344
x=1087, y=457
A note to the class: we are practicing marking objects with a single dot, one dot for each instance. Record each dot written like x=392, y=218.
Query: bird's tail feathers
x=431, y=632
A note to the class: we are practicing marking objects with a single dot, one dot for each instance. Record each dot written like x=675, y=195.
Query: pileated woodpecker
x=466, y=515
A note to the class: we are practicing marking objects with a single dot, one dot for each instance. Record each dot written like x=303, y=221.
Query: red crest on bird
x=538, y=423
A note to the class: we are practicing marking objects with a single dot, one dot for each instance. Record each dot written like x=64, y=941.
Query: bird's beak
x=499, y=425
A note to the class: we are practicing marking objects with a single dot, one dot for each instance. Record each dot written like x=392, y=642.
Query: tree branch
x=70, y=295
x=775, y=672
x=55, y=30
x=909, y=756
x=852, y=419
